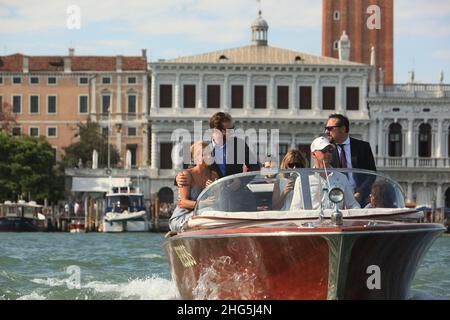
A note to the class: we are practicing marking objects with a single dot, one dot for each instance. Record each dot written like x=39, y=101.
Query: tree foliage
x=90, y=139
x=26, y=168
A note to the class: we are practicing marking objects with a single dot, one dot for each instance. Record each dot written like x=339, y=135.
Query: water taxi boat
x=245, y=243
x=125, y=211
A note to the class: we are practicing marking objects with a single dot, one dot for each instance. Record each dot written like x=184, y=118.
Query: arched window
x=395, y=140
x=336, y=15
x=165, y=195
x=425, y=140
x=336, y=45
x=447, y=198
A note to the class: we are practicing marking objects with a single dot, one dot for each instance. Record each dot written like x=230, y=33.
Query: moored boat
x=239, y=245
x=21, y=217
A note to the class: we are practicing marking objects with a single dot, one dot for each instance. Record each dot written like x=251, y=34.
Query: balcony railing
x=416, y=162
x=417, y=90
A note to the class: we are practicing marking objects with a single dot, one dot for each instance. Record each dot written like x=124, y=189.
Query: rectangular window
x=105, y=131
x=213, y=96
x=283, y=97
x=352, y=98
x=106, y=80
x=34, y=104
x=189, y=97
x=166, y=156
x=34, y=80
x=132, y=103
x=133, y=150
x=329, y=98
x=17, y=80
x=51, y=132
x=165, y=96
x=132, y=80
x=16, y=132
x=260, y=97
x=237, y=97
x=83, y=104
x=1, y=80
x=83, y=81
x=34, y=132
x=17, y=104
x=1, y=103
x=106, y=102
x=305, y=98
x=51, y=104
x=132, y=132
x=51, y=80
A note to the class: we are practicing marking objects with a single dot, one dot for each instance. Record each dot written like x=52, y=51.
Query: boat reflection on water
x=255, y=242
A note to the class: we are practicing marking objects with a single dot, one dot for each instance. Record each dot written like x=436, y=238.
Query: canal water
x=132, y=266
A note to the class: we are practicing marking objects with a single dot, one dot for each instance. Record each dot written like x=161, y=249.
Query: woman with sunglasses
x=282, y=190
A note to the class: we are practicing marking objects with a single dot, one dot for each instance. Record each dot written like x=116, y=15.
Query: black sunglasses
x=330, y=128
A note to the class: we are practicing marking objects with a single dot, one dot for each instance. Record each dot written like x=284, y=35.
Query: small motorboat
x=247, y=244
x=125, y=211
x=76, y=226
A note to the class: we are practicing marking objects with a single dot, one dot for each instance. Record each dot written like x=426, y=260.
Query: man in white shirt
x=322, y=153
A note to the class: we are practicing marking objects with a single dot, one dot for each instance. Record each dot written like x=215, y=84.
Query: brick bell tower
x=368, y=23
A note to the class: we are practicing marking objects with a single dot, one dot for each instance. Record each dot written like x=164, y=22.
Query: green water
x=132, y=266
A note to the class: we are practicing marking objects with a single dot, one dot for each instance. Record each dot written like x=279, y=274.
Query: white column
x=144, y=145
x=340, y=95
x=409, y=195
x=145, y=95
x=272, y=95
x=226, y=94
x=248, y=98
x=155, y=151
x=119, y=94
x=293, y=102
x=373, y=135
x=153, y=104
x=410, y=140
x=439, y=203
x=439, y=147
x=316, y=99
x=200, y=106
x=176, y=101
x=362, y=98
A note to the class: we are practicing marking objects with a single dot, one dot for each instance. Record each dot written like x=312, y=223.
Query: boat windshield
x=300, y=189
x=121, y=203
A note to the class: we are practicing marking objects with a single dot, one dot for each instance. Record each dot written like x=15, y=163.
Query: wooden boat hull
x=281, y=260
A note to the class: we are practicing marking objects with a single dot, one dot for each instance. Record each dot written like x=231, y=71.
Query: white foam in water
x=152, y=288
x=51, y=282
x=32, y=296
x=149, y=256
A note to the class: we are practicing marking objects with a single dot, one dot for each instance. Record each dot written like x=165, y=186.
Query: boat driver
x=320, y=183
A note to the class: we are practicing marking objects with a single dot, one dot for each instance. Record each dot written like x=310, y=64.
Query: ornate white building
x=263, y=87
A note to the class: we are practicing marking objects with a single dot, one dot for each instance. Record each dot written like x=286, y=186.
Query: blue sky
x=171, y=28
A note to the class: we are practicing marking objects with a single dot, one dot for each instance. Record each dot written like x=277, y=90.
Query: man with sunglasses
x=351, y=153
x=322, y=153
